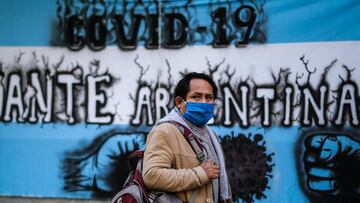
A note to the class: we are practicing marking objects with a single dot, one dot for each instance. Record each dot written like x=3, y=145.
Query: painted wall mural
x=78, y=97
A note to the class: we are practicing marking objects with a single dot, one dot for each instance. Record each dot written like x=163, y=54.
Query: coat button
x=208, y=200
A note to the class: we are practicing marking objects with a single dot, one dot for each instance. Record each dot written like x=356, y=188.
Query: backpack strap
x=192, y=140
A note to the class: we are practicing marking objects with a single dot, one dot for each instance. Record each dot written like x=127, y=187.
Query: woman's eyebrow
x=202, y=93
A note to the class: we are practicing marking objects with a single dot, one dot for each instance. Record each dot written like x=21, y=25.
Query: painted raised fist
x=332, y=164
x=101, y=167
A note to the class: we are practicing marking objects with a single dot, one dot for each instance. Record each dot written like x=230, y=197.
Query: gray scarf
x=213, y=151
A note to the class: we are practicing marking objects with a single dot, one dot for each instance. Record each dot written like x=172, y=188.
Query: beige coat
x=171, y=165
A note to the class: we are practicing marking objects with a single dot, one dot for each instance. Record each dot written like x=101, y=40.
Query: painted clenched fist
x=332, y=164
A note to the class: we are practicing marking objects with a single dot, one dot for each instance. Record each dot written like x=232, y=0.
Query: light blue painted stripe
x=33, y=23
x=309, y=20
x=27, y=23
x=31, y=157
x=41, y=149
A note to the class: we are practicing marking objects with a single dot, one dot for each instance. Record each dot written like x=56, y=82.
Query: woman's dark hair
x=183, y=86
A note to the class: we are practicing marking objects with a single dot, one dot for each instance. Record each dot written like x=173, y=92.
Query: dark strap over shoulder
x=192, y=140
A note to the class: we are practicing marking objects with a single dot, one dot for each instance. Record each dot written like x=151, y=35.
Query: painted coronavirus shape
x=249, y=166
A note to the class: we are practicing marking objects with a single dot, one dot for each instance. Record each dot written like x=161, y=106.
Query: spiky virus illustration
x=249, y=166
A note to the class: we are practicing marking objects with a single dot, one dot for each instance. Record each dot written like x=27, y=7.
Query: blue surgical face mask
x=198, y=113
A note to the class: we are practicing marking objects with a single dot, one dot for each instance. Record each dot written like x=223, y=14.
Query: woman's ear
x=178, y=101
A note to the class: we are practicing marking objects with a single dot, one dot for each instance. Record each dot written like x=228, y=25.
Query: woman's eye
x=209, y=98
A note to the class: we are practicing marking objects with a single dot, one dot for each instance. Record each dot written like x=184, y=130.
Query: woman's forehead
x=200, y=86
